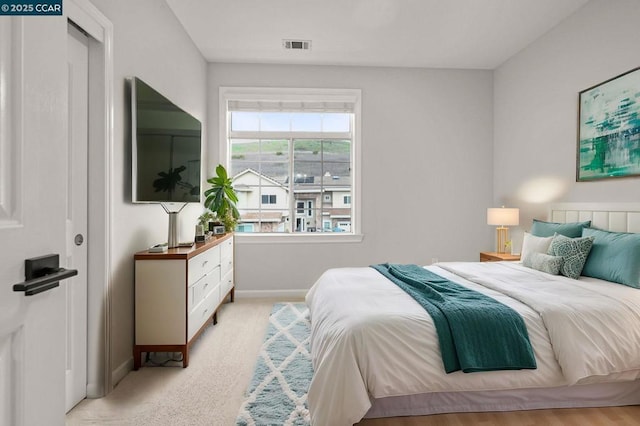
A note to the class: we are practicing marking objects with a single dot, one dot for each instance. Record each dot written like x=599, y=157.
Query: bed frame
x=616, y=217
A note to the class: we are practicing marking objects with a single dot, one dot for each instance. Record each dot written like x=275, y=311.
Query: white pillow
x=533, y=244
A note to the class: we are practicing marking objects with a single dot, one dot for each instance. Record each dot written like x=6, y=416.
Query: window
x=244, y=227
x=268, y=199
x=292, y=154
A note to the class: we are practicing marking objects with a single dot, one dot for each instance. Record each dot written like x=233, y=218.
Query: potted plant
x=221, y=199
x=205, y=218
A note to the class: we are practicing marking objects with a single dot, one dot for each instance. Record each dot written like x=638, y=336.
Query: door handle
x=42, y=274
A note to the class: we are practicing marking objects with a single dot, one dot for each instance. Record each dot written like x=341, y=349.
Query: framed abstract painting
x=609, y=129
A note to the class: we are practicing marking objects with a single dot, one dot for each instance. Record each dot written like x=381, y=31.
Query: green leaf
x=221, y=196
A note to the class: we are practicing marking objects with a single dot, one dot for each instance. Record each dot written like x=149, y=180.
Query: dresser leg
x=215, y=317
x=185, y=357
x=137, y=353
x=233, y=293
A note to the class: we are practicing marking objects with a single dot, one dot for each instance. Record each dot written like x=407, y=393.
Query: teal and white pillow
x=543, y=262
x=574, y=253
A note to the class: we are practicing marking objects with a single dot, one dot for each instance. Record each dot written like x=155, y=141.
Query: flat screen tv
x=166, y=149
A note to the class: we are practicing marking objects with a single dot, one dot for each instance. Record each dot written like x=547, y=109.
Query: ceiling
x=478, y=34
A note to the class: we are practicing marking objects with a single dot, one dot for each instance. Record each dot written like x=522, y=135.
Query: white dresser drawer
x=226, y=265
x=203, y=263
x=203, y=311
x=226, y=283
x=226, y=248
x=202, y=287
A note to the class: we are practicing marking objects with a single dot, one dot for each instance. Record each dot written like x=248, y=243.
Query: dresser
x=178, y=293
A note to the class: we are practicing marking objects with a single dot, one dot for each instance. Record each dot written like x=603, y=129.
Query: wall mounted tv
x=166, y=149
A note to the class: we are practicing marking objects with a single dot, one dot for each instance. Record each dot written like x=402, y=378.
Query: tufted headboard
x=617, y=217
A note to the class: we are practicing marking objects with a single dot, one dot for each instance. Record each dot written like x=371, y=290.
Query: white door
x=33, y=204
x=76, y=225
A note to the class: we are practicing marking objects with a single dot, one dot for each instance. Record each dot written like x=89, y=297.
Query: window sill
x=306, y=238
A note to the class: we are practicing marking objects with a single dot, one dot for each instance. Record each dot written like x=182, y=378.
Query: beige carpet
x=208, y=392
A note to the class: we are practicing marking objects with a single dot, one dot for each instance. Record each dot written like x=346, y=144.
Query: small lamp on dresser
x=503, y=217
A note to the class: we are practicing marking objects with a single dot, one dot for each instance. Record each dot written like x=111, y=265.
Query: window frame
x=352, y=96
x=269, y=198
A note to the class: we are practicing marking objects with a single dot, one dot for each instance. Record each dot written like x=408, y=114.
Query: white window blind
x=291, y=106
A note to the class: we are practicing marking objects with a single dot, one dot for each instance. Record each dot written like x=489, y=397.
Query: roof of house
x=303, y=184
x=261, y=217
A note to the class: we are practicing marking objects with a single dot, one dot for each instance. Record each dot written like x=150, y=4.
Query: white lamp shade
x=503, y=217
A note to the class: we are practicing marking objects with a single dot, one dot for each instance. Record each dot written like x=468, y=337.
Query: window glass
x=321, y=178
x=306, y=122
x=245, y=121
x=275, y=122
x=336, y=122
x=268, y=199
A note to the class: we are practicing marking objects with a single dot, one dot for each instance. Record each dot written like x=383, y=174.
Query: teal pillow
x=543, y=262
x=548, y=229
x=615, y=256
x=574, y=252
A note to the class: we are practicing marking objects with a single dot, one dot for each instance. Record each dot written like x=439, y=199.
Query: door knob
x=78, y=239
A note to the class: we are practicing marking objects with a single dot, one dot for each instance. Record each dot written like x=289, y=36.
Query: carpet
x=277, y=394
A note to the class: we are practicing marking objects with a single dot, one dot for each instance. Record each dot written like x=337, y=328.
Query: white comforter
x=370, y=339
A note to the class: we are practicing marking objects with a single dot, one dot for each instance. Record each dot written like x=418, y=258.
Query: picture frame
x=608, y=143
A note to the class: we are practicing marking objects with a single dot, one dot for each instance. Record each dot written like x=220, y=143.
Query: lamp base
x=172, y=210
x=502, y=236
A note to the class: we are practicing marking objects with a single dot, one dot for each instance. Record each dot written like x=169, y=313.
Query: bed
x=375, y=350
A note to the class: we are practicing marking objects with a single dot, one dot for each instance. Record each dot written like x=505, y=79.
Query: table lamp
x=502, y=217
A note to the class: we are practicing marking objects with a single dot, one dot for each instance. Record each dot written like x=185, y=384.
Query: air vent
x=297, y=44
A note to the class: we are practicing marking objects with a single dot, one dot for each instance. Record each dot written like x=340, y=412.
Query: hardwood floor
x=559, y=417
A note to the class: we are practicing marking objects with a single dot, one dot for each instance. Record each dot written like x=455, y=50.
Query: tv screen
x=166, y=149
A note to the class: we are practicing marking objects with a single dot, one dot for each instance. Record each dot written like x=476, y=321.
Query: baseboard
x=95, y=390
x=271, y=294
x=119, y=373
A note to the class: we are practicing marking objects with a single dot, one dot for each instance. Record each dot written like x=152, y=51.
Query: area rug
x=277, y=394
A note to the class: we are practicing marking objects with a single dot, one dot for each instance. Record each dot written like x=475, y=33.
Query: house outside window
x=292, y=159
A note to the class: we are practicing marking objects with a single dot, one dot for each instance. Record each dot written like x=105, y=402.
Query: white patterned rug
x=277, y=394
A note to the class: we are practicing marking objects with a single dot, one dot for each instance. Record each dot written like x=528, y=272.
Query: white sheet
x=369, y=338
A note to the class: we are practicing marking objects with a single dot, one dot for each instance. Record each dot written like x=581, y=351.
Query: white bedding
x=370, y=339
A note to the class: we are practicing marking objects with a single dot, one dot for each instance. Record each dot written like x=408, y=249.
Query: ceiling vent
x=297, y=44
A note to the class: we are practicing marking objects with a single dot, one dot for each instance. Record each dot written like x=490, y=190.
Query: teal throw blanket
x=475, y=331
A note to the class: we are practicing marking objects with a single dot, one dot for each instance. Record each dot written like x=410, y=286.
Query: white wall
x=536, y=108
x=426, y=169
x=149, y=43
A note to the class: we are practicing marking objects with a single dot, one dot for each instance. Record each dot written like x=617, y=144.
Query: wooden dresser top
x=183, y=252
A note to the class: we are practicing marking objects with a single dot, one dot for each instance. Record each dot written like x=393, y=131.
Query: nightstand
x=492, y=256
